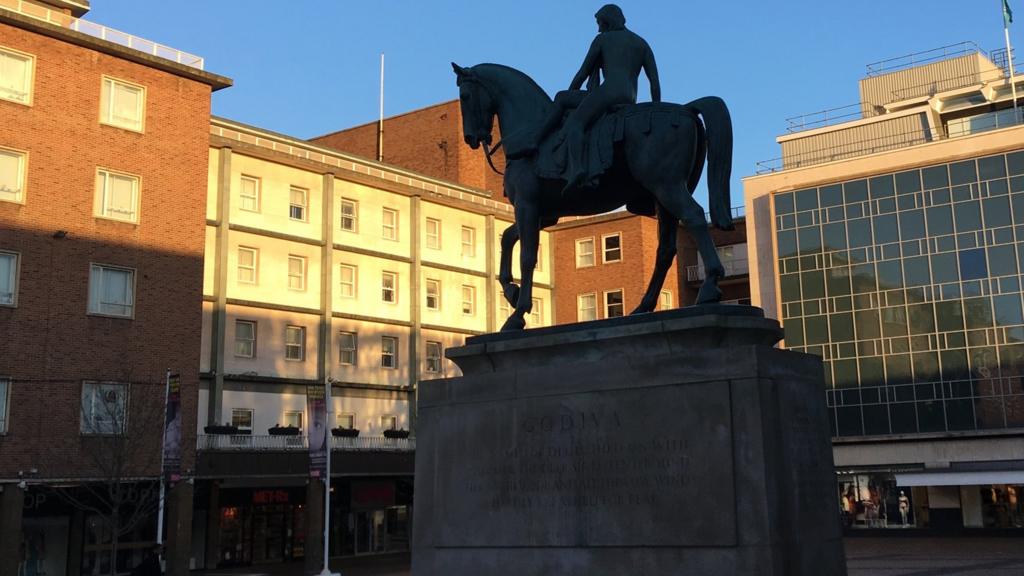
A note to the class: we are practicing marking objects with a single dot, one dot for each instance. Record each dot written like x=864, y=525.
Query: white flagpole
x=380, y=120
x=327, y=480
x=160, y=510
x=1009, y=60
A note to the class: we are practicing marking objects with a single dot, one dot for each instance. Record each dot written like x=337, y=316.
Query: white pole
x=380, y=122
x=327, y=480
x=160, y=510
x=1009, y=62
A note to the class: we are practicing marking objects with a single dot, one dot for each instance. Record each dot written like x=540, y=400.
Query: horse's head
x=477, y=107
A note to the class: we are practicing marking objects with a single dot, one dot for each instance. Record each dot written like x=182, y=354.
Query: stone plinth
x=679, y=442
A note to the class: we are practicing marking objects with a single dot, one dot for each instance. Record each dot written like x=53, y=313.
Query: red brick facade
x=50, y=345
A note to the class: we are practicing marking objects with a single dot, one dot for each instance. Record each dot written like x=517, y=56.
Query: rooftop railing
x=63, y=20
x=271, y=443
x=918, y=58
x=824, y=118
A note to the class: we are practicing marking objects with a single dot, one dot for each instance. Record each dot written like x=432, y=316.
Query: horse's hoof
x=513, y=323
x=709, y=294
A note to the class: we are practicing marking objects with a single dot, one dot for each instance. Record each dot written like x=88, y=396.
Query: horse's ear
x=459, y=70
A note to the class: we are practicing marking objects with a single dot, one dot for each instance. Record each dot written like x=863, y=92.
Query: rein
x=487, y=154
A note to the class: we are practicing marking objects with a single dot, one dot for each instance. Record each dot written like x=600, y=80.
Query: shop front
x=261, y=525
x=370, y=516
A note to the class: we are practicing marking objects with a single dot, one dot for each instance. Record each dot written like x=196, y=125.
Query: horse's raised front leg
x=508, y=286
x=668, y=226
x=690, y=212
x=529, y=234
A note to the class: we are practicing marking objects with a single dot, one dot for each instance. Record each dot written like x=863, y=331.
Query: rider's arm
x=651, y=69
x=589, y=65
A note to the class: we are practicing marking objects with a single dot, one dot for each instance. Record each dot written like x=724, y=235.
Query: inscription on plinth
x=609, y=468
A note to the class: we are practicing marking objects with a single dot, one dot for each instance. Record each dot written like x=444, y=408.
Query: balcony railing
x=63, y=20
x=267, y=443
x=735, y=267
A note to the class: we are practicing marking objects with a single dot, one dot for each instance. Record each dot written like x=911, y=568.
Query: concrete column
x=415, y=305
x=491, y=286
x=326, y=347
x=220, y=289
x=213, y=527
x=76, y=540
x=314, y=526
x=12, y=502
x=179, y=529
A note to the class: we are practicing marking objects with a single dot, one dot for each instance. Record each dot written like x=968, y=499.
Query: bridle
x=488, y=151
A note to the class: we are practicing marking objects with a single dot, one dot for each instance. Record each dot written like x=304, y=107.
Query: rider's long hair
x=612, y=16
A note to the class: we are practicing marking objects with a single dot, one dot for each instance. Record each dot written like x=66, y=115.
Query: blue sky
x=306, y=67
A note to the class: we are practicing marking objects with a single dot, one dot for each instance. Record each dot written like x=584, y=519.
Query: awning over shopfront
x=965, y=478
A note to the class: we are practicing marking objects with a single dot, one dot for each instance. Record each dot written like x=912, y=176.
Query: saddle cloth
x=601, y=137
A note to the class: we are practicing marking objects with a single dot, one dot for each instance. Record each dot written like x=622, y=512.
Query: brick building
x=102, y=193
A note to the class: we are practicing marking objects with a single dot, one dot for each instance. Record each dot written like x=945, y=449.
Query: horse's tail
x=718, y=127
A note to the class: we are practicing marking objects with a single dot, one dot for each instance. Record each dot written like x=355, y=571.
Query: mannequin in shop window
x=904, y=507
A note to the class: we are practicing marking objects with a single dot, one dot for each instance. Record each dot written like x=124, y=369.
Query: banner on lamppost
x=172, y=429
x=317, y=408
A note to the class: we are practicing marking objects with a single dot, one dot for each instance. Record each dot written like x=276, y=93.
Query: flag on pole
x=1007, y=13
x=317, y=435
x=172, y=429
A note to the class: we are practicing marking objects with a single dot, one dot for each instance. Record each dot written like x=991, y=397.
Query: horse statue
x=655, y=163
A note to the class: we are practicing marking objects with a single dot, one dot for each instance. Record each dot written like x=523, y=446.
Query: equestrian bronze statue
x=647, y=157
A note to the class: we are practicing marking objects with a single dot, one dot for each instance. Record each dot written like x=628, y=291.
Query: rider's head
x=610, y=17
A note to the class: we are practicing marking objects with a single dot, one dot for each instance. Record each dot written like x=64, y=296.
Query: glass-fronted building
x=891, y=245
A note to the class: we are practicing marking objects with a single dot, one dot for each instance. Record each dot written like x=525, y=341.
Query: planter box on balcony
x=221, y=429
x=283, y=431
x=345, y=432
x=396, y=433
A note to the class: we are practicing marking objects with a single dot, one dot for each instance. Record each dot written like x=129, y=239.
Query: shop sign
x=270, y=497
x=373, y=494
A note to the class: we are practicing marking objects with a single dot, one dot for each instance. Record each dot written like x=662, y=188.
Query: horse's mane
x=515, y=72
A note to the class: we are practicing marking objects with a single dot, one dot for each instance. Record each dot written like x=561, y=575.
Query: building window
x=537, y=313
x=389, y=287
x=433, y=294
x=586, y=307
x=8, y=279
x=346, y=420
x=122, y=104
x=245, y=339
x=347, y=342
x=12, y=175
x=665, y=300
x=297, y=198
x=16, y=76
x=117, y=196
x=111, y=291
x=293, y=419
x=241, y=418
x=433, y=234
x=468, y=242
x=504, y=308
x=612, y=246
x=388, y=352
x=468, y=300
x=248, y=258
x=104, y=407
x=388, y=422
x=250, y=194
x=5, y=392
x=296, y=272
x=433, y=357
x=613, y=305
x=389, y=231
x=584, y=252
x=295, y=343
x=349, y=215
x=347, y=274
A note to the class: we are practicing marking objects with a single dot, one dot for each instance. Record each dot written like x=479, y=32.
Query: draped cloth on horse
x=552, y=156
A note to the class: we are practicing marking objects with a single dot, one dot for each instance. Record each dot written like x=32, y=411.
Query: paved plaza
x=891, y=556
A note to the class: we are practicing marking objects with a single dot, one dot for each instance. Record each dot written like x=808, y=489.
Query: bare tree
x=120, y=446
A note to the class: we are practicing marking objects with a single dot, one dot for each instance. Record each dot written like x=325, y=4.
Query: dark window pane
x=881, y=186
x=897, y=368
x=968, y=216
x=848, y=421
x=998, y=187
x=831, y=195
x=890, y=275
x=912, y=225
x=867, y=324
x=922, y=318
x=805, y=218
x=906, y=182
x=903, y=418
x=872, y=371
x=886, y=229
x=972, y=264
x=838, y=281
x=787, y=243
x=806, y=199
x=1002, y=260
x=794, y=329
x=926, y=368
x=1018, y=208
x=841, y=326
x=1007, y=310
x=954, y=365
x=845, y=375
x=950, y=315
x=886, y=205
x=813, y=285
x=863, y=276
x=997, y=211
x=894, y=321
x=960, y=414
x=961, y=193
x=944, y=268
x=991, y=167
x=935, y=177
x=978, y=312
x=859, y=232
x=809, y=240
x=940, y=196
x=1011, y=361
x=930, y=416
x=816, y=329
x=1015, y=162
x=876, y=419
x=962, y=173
x=834, y=236
x=915, y=271
x=940, y=220
x=790, y=287
x=856, y=191
x=907, y=202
